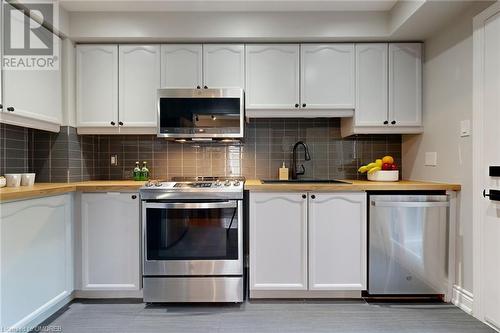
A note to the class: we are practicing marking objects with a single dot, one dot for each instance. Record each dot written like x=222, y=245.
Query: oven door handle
x=193, y=205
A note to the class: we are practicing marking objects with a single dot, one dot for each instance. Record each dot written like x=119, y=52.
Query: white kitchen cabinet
x=388, y=90
x=371, y=85
x=272, y=76
x=110, y=242
x=337, y=241
x=181, y=66
x=307, y=244
x=405, y=84
x=139, y=78
x=97, y=85
x=278, y=241
x=33, y=98
x=224, y=65
x=36, y=260
x=327, y=76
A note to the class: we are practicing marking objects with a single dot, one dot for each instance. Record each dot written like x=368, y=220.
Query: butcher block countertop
x=356, y=185
x=48, y=189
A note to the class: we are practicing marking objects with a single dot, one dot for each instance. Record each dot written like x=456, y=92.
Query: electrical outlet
x=431, y=158
x=114, y=160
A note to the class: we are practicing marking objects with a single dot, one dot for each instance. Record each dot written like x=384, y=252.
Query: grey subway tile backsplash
x=68, y=157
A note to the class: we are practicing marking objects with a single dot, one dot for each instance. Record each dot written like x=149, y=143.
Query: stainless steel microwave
x=201, y=113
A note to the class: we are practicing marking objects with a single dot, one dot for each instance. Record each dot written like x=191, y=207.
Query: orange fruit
x=388, y=159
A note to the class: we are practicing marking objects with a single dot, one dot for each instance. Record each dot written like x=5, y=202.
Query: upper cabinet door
x=33, y=94
x=139, y=80
x=337, y=241
x=278, y=241
x=371, y=85
x=97, y=85
x=272, y=76
x=327, y=76
x=405, y=84
x=181, y=65
x=224, y=66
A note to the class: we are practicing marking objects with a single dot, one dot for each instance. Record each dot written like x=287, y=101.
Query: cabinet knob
x=393, y=122
x=296, y=105
x=198, y=87
x=134, y=196
x=304, y=196
x=205, y=87
x=304, y=105
x=313, y=196
x=10, y=109
x=386, y=122
x=120, y=123
x=112, y=123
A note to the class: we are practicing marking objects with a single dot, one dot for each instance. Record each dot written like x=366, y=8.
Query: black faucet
x=307, y=157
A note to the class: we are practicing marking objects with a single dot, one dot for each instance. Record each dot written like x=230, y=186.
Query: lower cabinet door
x=110, y=241
x=337, y=241
x=278, y=241
x=36, y=260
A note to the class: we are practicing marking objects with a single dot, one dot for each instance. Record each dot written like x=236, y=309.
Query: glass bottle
x=144, y=171
x=137, y=171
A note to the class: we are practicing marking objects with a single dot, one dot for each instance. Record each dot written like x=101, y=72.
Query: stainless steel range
x=193, y=240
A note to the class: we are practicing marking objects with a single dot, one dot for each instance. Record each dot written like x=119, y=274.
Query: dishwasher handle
x=411, y=204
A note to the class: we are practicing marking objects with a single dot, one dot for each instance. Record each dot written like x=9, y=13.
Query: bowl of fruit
x=382, y=170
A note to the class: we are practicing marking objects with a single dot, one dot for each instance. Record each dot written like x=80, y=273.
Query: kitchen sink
x=309, y=181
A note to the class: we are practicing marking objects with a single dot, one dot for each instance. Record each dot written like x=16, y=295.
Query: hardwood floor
x=268, y=316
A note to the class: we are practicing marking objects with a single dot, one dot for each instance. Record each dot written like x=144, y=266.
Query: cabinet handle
x=134, y=196
x=296, y=105
x=304, y=196
x=313, y=196
x=205, y=87
x=120, y=123
x=112, y=123
x=1, y=106
x=198, y=87
x=393, y=122
x=304, y=105
x=10, y=109
x=386, y=122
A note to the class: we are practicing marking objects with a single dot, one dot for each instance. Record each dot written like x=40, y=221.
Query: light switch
x=465, y=128
x=431, y=158
x=114, y=160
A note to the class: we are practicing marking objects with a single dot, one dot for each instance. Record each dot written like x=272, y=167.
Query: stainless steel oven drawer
x=193, y=289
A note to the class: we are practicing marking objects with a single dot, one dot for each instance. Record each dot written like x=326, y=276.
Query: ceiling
x=226, y=5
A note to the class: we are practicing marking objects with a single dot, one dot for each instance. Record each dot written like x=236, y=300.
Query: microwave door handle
x=193, y=205
x=411, y=204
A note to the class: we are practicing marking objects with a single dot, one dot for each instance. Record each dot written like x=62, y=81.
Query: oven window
x=192, y=234
x=200, y=115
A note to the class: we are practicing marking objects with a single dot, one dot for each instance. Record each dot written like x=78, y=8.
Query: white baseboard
x=108, y=293
x=463, y=299
x=41, y=314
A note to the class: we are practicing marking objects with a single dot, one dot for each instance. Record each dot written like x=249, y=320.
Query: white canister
x=13, y=179
x=3, y=181
x=28, y=179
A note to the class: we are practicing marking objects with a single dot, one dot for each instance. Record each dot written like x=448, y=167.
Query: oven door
x=192, y=238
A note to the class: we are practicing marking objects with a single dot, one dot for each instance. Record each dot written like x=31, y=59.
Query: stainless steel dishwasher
x=408, y=244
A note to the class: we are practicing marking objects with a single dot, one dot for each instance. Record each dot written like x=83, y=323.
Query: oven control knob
x=217, y=183
x=149, y=184
x=227, y=182
x=236, y=182
x=158, y=184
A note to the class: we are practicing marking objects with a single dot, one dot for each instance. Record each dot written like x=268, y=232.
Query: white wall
x=447, y=99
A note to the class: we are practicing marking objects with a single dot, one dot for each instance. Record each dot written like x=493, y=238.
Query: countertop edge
x=48, y=189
